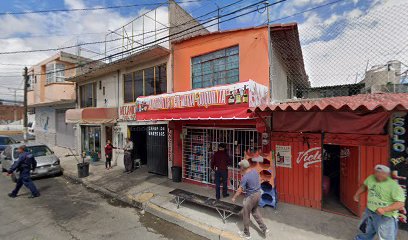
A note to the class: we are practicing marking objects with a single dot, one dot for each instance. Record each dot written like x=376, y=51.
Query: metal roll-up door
x=156, y=144
x=65, y=131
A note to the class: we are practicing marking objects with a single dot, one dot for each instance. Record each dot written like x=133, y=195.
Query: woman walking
x=108, y=152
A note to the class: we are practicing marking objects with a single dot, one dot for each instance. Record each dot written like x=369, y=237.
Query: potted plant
x=94, y=156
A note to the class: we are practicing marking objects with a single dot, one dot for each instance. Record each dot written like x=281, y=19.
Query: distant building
x=385, y=78
x=49, y=96
x=332, y=91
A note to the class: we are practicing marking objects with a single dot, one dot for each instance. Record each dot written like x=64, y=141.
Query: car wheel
x=59, y=174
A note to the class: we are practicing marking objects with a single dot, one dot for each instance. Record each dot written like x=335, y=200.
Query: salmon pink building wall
x=253, y=55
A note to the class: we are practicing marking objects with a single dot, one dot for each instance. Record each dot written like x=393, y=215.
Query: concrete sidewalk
x=151, y=192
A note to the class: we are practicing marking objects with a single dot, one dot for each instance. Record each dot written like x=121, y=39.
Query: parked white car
x=47, y=163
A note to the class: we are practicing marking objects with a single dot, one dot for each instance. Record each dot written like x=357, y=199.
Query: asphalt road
x=69, y=211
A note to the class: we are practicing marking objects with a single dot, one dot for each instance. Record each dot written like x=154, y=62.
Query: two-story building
x=107, y=98
x=216, y=77
x=50, y=96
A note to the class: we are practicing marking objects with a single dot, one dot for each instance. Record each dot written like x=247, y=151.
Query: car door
x=8, y=158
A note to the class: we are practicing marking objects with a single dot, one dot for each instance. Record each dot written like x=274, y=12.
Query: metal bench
x=224, y=209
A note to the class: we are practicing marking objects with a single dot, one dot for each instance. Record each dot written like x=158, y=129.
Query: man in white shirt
x=128, y=162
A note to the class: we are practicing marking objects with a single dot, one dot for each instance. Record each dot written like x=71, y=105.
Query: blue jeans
x=25, y=179
x=385, y=227
x=221, y=175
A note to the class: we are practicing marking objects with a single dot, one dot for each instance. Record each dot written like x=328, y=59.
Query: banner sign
x=247, y=93
x=284, y=156
x=127, y=113
x=399, y=156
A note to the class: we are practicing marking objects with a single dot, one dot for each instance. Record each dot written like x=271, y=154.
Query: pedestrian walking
x=128, y=161
x=250, y=186
x=385, y=197
x=108, y=154
x=24, y=165
x=219, y=164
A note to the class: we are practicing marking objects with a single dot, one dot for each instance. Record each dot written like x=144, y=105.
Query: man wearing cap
x=219, y=164
x=25, y=163
x=251, y=186
x=385, y=197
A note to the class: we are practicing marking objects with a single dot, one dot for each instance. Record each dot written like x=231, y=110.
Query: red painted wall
x=303, y=186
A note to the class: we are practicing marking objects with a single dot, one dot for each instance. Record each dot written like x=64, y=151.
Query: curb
x=187, y=223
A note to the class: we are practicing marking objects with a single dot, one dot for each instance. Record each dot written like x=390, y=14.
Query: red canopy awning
x=91, y=115
x=230, y=101
x=361, y=102
x=213, y=112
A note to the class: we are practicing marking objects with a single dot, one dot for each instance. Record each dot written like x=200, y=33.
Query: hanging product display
x=200, y=144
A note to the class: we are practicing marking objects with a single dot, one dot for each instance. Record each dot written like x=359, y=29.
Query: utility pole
x=271, y=80
x=26, y=84
x=218, y=17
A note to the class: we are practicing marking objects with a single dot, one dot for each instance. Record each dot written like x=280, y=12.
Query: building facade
x=49, y=96
x=107, y=98
x=217, y=76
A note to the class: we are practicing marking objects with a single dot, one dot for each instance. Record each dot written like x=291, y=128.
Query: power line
x=306, y=10
x=111, y=40
x=164, y=39
x=90, y=9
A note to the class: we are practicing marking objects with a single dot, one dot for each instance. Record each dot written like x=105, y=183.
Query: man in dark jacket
x=24, y=165
x=219, y=164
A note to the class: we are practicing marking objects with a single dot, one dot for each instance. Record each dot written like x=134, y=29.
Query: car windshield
x=37, y=151
x=5, y=141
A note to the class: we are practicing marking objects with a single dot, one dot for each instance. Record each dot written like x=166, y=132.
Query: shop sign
x=309, y=157
x=284, y=156
x=247, y=93
x=399, y=155
x=127, y=113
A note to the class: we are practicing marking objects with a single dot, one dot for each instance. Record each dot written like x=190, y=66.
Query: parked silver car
x=47, y=163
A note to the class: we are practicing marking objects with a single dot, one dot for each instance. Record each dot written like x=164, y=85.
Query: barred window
x=216, y=68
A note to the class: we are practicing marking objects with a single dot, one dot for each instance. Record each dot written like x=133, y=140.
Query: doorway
x=150, y=146
x=138, y=137
x=340, y=178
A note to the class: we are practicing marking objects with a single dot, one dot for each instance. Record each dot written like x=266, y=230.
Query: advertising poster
x=283, y=156
x=399, y=157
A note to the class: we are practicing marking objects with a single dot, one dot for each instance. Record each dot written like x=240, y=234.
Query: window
x=87, y=94
x=219, y=67
x=36, y=151
x=31, y=82
x=128, y=85
x=149, y=81
x=55, y=72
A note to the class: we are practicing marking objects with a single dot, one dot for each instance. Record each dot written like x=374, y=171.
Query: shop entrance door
x=349, y=168
x=156, y=149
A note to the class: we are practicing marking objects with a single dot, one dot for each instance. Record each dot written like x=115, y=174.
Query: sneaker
x=12, y=195
x=226, y=195
x=266, y=232
x=244, y=235
x=34, y=196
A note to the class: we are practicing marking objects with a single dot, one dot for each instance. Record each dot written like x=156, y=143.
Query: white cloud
x=376, y=37
x=17, y=31
x=74, y=4
x=302, y=3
